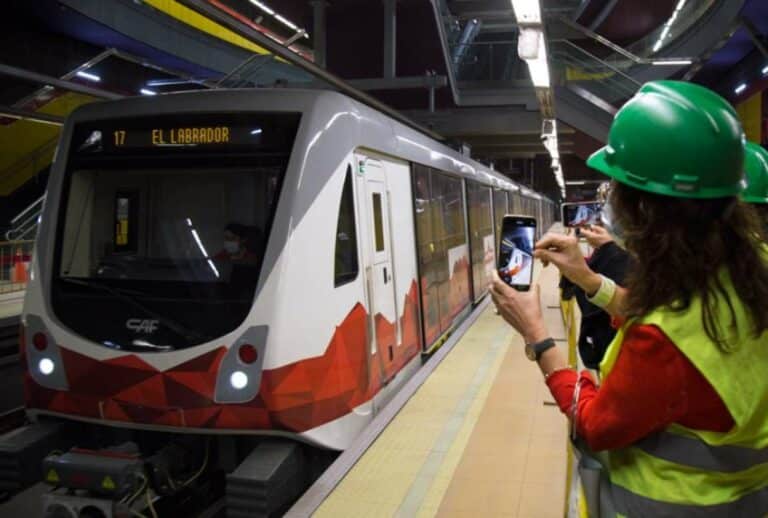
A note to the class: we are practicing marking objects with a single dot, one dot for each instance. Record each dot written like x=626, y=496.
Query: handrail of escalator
x=618, y=48
x=28, y=209
x=602, y=63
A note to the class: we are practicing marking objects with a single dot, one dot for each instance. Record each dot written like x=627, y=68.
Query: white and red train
x=353, y=244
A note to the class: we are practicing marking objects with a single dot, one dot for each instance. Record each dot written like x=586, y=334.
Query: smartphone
x=516, y=242
x=581, y=214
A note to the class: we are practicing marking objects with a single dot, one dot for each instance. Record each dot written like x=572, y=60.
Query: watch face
x=530, y=353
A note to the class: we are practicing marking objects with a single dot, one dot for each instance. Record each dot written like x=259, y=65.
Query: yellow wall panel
x=751, y=114
x=27, y=147
x=200, y=22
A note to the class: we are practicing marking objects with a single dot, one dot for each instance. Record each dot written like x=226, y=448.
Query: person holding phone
x=681, y=416
x=516, y=251
x=608, y=258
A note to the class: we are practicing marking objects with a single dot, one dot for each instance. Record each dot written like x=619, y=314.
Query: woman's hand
x=521, y=309
x=596, y=235
x=564, y=252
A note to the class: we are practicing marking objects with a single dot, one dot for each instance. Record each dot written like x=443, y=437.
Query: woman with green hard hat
x=756, y=169
x=680, y=419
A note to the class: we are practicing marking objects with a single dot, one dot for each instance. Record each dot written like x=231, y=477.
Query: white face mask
x=608, y=219
x=231, y=247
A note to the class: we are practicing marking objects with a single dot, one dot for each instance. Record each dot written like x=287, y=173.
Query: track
x=11, y=389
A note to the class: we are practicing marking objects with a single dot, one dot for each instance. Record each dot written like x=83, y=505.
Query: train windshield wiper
x=129, y=297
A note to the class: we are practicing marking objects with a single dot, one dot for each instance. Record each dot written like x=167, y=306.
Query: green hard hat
x=676, y=139
x=756, y=168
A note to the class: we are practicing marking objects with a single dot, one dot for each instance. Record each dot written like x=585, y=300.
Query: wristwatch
x=534, y=351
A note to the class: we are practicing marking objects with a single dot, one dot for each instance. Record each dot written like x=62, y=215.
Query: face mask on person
x=608, y=218
x=231, y=247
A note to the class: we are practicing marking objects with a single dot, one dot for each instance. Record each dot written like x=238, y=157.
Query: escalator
x=591, y=76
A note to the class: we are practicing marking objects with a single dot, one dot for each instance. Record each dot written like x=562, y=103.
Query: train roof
x=409, y=143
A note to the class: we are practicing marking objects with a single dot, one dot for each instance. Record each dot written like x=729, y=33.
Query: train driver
x=241, y=244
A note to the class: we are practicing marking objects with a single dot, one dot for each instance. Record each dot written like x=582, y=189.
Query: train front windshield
x=163, y=227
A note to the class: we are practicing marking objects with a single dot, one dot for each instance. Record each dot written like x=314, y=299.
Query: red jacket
x=652, y=385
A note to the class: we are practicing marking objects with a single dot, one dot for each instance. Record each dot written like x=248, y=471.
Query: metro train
x=365, y=243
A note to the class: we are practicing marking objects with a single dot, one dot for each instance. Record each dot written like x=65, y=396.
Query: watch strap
x=539, y=347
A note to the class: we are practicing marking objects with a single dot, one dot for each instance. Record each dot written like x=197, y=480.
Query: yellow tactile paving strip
x=476, y=439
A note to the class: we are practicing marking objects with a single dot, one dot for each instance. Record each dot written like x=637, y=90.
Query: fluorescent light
x=538, y=67
x=144, y=91
x=527, y=12
x=765, y=70
x=286, y=22
x=672, y=62
x=666, y=29
x=256, y=131
x=740, y=88
x=89, y=77
x=576, y=182
x=263, y=7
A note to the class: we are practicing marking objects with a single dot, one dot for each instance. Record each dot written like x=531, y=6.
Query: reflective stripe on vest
x=695, y=453
x=633, y=505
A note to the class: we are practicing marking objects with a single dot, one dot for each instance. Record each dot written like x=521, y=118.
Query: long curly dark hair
x=680, y=245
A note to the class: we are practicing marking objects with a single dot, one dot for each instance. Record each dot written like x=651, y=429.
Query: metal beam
x=383, y=83
x=618, y=48
x=213, y=13
x=603, y=14
x=16, y=113
x=390, y=38
x=755, y=35
x=400, y=83
x=525, y=139
x=480, y=121
x=320, y=8
x=34, y=77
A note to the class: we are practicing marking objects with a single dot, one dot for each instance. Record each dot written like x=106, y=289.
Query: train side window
x=378, y=223
x=346, y=266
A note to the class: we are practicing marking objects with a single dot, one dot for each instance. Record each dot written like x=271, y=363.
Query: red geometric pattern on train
x=442, y=302
x=459, y=292
x=294, y=397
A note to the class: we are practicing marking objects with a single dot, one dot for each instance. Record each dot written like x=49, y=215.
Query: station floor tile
x=479, y=438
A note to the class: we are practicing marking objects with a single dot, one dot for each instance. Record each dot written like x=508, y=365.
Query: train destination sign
x=242, y=133
x=184, y=136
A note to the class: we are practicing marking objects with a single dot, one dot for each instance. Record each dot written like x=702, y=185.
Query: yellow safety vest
x=687, y=472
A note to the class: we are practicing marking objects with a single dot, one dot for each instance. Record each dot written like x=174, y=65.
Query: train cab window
x=346, y=267
x=172, y=232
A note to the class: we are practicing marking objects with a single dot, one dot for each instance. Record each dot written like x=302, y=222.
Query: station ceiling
x=487, y=101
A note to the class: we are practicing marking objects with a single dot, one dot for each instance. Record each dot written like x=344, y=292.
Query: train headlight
x=239, y=372
x=46, y=366
x=238, y=380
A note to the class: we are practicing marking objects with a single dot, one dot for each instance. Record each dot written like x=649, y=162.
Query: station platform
x=11, y=304
x=480, y=437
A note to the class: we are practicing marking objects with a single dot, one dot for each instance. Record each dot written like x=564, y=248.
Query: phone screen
x=516, y=251
x=581, y=214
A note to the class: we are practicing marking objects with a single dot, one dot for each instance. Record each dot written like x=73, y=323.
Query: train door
x=379, y=264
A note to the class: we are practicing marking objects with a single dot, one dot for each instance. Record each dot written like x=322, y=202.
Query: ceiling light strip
x=532, y=48
x=667, y=27
x=280, y=18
